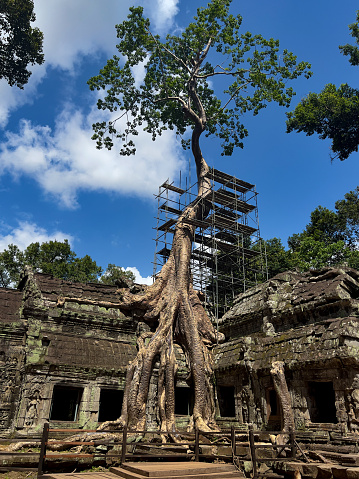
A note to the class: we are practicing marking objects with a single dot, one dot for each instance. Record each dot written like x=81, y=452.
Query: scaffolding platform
x=227, y=256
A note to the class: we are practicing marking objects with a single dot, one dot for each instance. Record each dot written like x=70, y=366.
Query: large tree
x=330, y=238
x=51, y=257
x=20, y=43
x=334, y=112
x=176, y=93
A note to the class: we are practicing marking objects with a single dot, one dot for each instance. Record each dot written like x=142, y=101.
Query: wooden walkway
x=80, y=475
x=160, y=470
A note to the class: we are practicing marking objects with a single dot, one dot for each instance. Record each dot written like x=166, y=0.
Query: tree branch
x=205, y=52
x=171, y=53
x=203, y=77
x=160, y=57
x=231, y=98
x=187, y=109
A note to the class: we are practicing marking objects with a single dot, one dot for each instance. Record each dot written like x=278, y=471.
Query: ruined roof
x=47, y=297
x=293, y=299
x=51, y=288
x=74, y=350
x=296, y=318
x=10, y=304
x=333, y=341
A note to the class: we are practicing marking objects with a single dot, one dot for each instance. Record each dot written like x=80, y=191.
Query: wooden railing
x=193, y=441
x=290, y=446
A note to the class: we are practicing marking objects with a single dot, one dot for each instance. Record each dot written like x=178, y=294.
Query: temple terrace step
x=176, y=470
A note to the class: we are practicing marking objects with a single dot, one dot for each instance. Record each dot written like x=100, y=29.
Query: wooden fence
x=192, y=441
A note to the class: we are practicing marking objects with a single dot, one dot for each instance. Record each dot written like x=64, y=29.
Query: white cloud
x=164, y=12
x=13, y=97
x=73, y=29
x=139, y=279
x=27, y=233
x=65, y=161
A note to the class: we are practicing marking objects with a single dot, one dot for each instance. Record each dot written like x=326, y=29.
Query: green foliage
x=278, y=259
x=115, y=275
x=176, y=94
x=10, y=261
x=348, y=214
x=334, y=112
x=52, y=257
x=20, y=44
x=325, y=226
x=352, y=50
x=331, y=238
x=313, y=254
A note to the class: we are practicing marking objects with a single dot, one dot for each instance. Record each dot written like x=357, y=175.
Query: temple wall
x=65, y=348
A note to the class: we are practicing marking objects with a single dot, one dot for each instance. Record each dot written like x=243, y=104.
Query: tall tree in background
x=176, y=93
x=334, y=112
x=115, y=275
x=331, y=238
x=20, y=43
x=52, y=257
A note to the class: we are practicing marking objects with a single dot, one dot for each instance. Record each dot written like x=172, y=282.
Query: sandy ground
x=18, y=475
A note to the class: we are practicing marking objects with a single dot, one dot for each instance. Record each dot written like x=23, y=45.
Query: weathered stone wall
x=57, y=334
x=65, y=340
x=12, y=340
x=292, y=300
x=310, y=323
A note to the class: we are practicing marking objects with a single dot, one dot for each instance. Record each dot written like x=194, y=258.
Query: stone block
x=339, y=472
x=353, y=473
x=324, y=471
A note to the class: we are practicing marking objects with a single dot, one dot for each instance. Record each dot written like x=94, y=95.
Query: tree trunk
x=173, y=302
x=281, y=388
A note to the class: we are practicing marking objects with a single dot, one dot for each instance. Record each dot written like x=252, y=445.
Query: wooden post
x=196, y=444
x=124, y=444
x=253, y=451
x=292, y=443
x=233, y=440
x=44, y=439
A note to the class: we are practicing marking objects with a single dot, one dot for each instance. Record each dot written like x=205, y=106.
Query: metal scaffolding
x=227, y=256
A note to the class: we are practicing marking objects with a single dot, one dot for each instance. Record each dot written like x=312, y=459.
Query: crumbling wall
x=12, y=338
x=310, y=323
x=70, y=339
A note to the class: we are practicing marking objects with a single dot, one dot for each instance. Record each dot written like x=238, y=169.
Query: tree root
x=175, y=306
x=281, y=388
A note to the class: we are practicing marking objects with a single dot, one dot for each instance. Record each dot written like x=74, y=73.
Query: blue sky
x=54, y=184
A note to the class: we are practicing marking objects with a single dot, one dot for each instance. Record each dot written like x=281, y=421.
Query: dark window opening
x=183, y=401
x=273, y=403
x=110, y=404
x=322, y=402
x=273, y=406
x=65, y=403
x=226, y=401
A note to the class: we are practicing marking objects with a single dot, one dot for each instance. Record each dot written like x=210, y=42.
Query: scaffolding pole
x=227, y=253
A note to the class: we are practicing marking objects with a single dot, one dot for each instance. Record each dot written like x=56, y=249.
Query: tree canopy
x=20, y=43
x=52, y=257
x=57, y=258
x=198, y=82
x=331, y=238
x=334, y=112
x=181, y=70
x=115, y=275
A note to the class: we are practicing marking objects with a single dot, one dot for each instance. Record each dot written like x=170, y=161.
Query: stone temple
x=64, y=349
